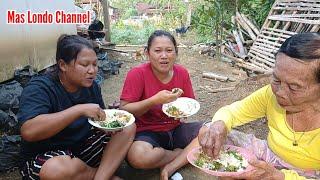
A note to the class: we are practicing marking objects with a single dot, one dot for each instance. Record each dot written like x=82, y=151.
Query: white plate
x=187, y=105
x=109, y=114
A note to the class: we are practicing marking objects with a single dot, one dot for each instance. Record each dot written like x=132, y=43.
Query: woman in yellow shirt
x=291, y=105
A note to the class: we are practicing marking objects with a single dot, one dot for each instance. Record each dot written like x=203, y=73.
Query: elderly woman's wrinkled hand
x=212, y=138
x=262, y=171
x=93, y=111
x=164, y=96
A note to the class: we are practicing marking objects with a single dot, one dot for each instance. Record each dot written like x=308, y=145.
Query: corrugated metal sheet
x=30, y=44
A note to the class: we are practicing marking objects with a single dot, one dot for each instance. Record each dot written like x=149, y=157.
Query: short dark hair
x=159, y=33
x=303, y=46
x=69, y=46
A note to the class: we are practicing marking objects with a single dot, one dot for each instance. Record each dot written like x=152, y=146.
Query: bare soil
x=210, y=102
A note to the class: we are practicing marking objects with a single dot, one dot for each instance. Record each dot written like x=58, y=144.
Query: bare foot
x=164, y=173
x=167, y=170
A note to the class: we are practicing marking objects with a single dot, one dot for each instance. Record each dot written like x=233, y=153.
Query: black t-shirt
x=45, y=95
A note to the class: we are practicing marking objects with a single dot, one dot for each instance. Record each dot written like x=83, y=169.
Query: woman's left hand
x=262, y=171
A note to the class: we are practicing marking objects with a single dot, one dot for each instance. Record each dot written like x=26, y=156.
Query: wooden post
x=106, y=19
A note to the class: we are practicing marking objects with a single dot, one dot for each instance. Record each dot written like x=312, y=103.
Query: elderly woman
x=291, y=104
x=59, y=143
x=161, y=141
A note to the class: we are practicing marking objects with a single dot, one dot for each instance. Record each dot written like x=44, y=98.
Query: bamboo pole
x=245, y=26
x=268, y=42
x=223, y=89
x=263, y=58
x=242, y=63
x=315, y=28
x=299, y=4
x=298, y=20
x=297, y=9
x=270, y=54
x=219, y=77
x=276, y=34
x=266, y=46
x=250, y=24
x=281, y=31
x=276, y=39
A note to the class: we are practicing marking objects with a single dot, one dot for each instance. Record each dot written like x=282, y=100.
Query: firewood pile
x=237, y=43
x=254, y=49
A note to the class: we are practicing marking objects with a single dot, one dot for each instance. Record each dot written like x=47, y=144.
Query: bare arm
x=45, y=126
x=141, y=107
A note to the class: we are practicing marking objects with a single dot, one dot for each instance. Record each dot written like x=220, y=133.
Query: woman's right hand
x=92, y=111
x=212, y=138
x=164, y=96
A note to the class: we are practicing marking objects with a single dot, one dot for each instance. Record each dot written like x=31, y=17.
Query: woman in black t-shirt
x=59, y=143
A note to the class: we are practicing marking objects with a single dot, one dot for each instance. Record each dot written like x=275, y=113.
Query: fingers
x=263, y=166
x=259, y=164
x=102, y=115
x=207, y=143
x=99, y=115
x=213, y=139
x=217, y=147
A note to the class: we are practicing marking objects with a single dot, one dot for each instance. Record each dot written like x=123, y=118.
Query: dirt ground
x=210, y=102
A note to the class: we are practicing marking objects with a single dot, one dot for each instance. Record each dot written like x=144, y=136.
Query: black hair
x=159, y=33
x=305, y=47
x=68, y=48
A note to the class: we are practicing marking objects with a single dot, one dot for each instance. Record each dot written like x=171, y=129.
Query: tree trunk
x=189, y=14
x=106, y=19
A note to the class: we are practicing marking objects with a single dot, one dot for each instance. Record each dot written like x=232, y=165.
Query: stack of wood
x=237, y=44
x=286, y=18
x=243, y=33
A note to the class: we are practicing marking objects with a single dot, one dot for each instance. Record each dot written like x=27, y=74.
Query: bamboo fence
x=286, y=18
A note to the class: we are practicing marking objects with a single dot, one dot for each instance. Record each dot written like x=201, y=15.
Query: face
x=162, y=54
x=82, y=71
x=294, y=83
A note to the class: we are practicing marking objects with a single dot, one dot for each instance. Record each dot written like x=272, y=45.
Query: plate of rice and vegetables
x=182, y=107
x=232, y=161
x=115, y=120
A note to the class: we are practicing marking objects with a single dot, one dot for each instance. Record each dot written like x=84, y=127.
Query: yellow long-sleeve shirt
x=262, y=103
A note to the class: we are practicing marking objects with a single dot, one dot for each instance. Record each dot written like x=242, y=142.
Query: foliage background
x=209, y=18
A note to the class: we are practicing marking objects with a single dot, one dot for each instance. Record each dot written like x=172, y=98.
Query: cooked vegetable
x=175, y=112
x=118, y=119
x=112, y=124
x=229, y=161
x=176, y=90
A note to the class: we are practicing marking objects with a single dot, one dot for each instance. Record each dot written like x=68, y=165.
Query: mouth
x=91, y=79
x=164, y=62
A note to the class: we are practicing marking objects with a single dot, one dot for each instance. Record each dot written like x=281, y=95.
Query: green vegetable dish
x=228, y=161
x=116, y=120
x=174, y=111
